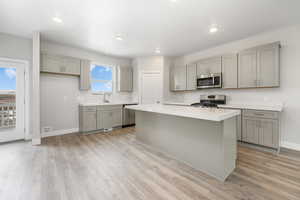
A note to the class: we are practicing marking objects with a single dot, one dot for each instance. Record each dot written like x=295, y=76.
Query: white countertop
x=212, y=114
x=177, y=103
x=269, y=107
x=108, y=104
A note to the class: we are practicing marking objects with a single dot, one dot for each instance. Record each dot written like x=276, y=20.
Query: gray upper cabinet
x=268, y=129
x=209, y=66
x=60, y=64
x=191, y=77
x=247, y=70
x=259, y=67
x=124, y=79
x=178, y=78
x=85, y=83
x=230, y=71
x=268, y=65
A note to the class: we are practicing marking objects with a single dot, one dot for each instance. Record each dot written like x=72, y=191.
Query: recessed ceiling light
x=57, y=20
x=213, y=29
x=119, y=37
x=157, y=50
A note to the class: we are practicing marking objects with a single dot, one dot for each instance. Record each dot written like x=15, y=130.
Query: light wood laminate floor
x=115, y=166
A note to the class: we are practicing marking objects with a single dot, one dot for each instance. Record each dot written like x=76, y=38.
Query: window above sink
x=101, y=79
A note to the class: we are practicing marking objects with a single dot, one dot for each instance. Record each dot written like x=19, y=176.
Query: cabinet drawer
x=260, y=114
x=88, y=108
x=109, y=107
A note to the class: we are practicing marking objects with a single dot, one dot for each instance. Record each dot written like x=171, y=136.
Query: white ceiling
x=175, y=27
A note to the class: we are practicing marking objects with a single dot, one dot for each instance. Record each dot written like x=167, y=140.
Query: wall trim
x=60, y=132
x=36, y=141
x=290, y=145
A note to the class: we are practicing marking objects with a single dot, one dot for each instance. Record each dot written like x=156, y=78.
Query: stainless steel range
x=210, y=101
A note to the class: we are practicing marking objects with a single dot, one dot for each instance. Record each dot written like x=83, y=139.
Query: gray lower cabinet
x=117, y=117
x=239, y=127
x=229, y=71
x=104, y=119
x=93, y=118
x=87, y=118
x=268, y=132
x=261, y=127
x=109, y=116
x=250, y=130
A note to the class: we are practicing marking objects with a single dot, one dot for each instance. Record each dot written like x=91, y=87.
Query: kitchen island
x=204, y=138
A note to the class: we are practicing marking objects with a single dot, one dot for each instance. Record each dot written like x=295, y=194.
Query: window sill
x=102, y=93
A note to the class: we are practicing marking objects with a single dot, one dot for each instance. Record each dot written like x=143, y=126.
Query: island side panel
x=199, y=143
x=229, y=145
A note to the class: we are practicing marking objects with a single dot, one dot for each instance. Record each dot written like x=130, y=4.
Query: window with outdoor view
x=101, y=79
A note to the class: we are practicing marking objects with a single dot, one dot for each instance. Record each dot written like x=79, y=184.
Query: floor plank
x=115, y=166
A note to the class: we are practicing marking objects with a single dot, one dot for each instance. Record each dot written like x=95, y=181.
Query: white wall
x=15, y=47
x=60, y=94
x=289, y=91
x=35, y=95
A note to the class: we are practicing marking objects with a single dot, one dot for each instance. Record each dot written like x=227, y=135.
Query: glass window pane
x=102, y=86
x=7, y=79
x=101, y=73
x=7, y=97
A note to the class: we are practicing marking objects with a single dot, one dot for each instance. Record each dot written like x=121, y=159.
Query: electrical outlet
x=47, y=129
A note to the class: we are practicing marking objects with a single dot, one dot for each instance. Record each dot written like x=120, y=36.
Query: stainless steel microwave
x=209, y=81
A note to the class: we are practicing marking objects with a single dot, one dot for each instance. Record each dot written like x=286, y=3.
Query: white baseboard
x=60, y=132
x=36, y=141
x=290, y=145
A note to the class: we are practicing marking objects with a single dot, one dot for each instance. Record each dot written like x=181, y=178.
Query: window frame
x=102, y=81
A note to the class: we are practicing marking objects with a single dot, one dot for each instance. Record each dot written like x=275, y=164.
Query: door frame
x=27, y=135
x=142, y=73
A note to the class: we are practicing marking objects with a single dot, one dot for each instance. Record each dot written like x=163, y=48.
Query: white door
x=151, y=88
x=12, y=103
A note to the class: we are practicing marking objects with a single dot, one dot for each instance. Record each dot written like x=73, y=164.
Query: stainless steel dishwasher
x=128, y=118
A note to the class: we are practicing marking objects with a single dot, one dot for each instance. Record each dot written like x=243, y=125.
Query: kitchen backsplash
x=255, y=96
x=89, y=97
